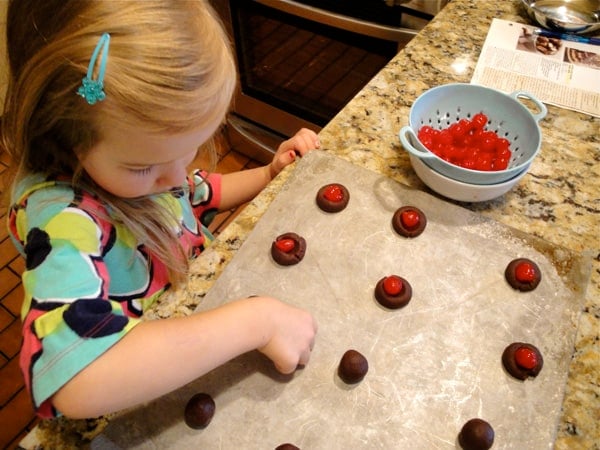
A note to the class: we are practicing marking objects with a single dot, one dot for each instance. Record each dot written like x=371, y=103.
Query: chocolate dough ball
x=522, y=360
x=523, y=274
x=409, y=221
x=353, y=367
x=199, y=411
x=393, y=292
x=287, y=447
x=333, y=197
x=476, y=434
x=288, y=249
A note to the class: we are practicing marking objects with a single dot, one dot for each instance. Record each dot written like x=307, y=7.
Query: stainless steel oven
x=300, y=61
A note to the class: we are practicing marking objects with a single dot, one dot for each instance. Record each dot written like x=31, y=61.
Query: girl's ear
x=81, y=153
x=78, y=153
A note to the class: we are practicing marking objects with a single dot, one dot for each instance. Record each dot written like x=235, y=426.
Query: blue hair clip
x=92, y=90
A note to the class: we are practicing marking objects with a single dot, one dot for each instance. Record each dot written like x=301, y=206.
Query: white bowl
x=458, y=190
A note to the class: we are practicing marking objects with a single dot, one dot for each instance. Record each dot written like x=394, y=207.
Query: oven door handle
x=396, y=34
x=251, y=134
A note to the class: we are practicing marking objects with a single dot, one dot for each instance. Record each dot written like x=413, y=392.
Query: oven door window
x=300, y=66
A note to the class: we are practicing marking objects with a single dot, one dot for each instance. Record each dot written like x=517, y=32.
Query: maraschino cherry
x=285, y=245
x=392, y=285
x=526, y=358
x=525, y=272
x=410, y=219
x=334, y=193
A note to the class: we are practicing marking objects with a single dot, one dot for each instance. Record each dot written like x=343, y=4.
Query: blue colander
x=444, y=105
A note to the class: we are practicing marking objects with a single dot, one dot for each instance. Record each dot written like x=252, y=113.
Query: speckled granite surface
x=558, y=200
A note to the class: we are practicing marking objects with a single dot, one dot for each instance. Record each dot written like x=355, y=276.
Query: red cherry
x=426, y=130
x=444, y=137
x=526, y=358
x=479, y=120
x=455, y=144
x=458, y=130
x=438, y=149
x=488, y=141
x=504, y=153
x=427, y=141
x=410, y=219
x=500, y=163
x=392, y=285
x=333, y=193
x=484, y=162
x=502, y=144
x=285, y=245
x=525, y=272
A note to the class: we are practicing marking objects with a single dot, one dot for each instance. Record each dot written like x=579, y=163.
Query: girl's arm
x=157, y=357
x=240, y=187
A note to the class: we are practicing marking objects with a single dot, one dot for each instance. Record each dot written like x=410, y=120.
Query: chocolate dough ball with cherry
x=522, y=360
x=333, y=197
x=476, y=434
x=409, y=221
x=393, y=292
x=288, y=249
x=353, y=367
x=523, y=274
x=199, y=411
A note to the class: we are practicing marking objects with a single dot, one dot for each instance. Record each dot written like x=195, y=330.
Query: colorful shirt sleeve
x=205, y=195
x=87, y=281
x=68, y=318
x=203, y=199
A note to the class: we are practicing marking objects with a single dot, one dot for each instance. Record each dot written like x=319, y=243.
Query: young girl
x=107, y=104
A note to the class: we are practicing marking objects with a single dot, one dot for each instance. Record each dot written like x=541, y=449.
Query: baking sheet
x=432, y=365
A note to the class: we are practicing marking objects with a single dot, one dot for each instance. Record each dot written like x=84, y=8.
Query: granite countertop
x=558, y=200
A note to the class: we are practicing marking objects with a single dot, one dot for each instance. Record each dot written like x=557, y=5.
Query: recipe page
x=559, y=72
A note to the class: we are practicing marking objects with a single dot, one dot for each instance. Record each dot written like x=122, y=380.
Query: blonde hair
x=169, y=70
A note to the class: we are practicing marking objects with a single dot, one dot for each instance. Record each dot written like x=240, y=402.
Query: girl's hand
x=300, y=144
x=290, y=337
x=240, y=187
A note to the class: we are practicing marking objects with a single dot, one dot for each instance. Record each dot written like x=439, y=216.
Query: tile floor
x=16, y=414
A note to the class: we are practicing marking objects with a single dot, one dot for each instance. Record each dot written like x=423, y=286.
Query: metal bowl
x=569, y=16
